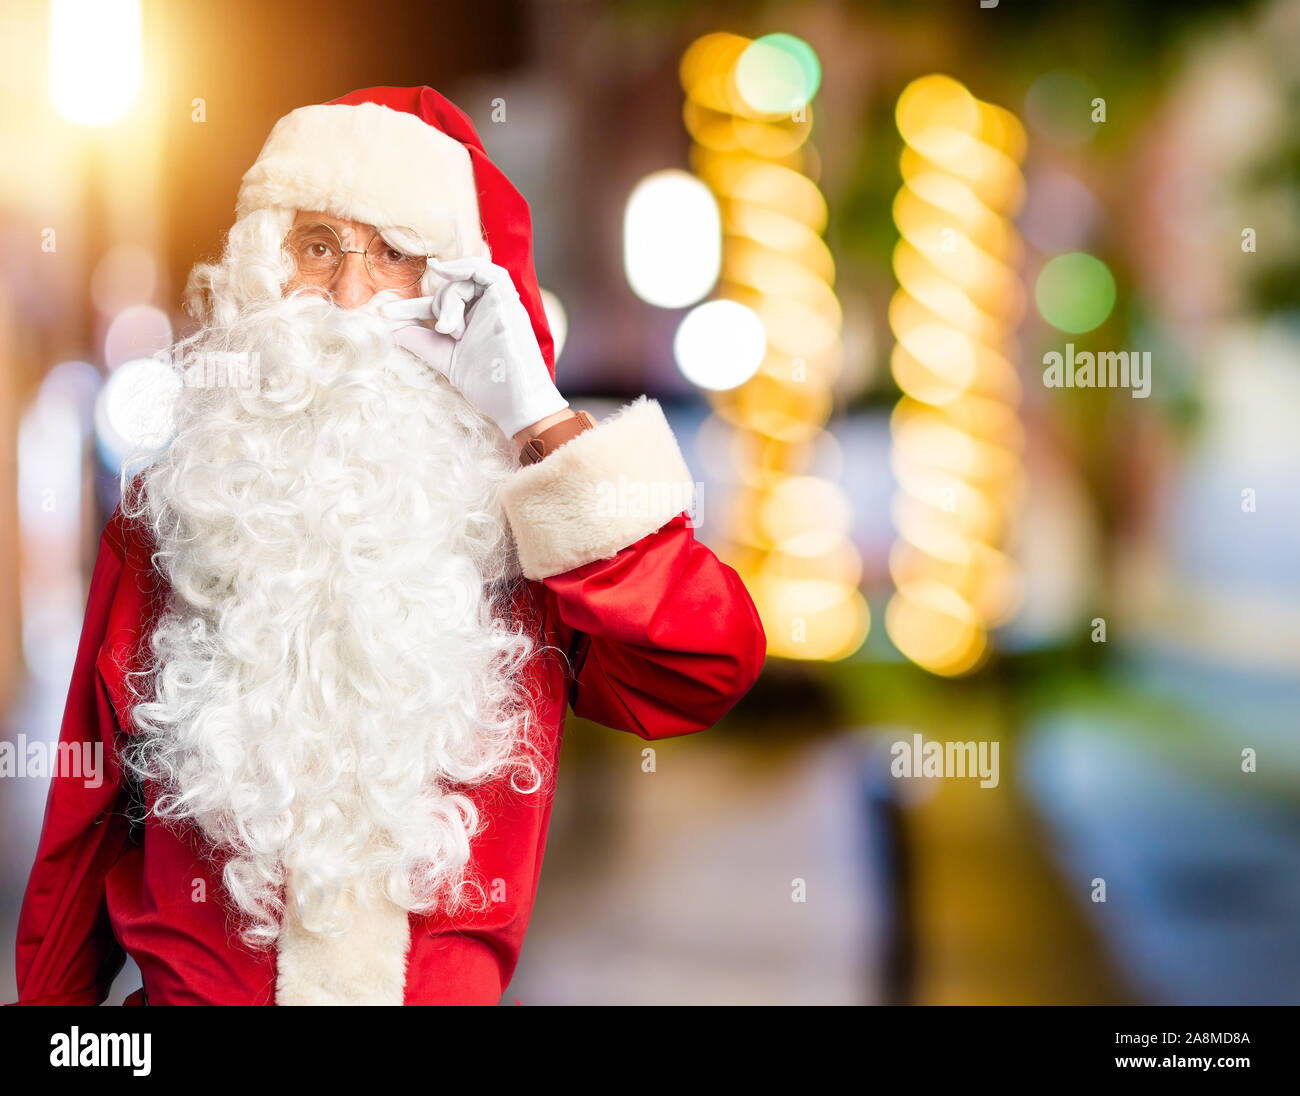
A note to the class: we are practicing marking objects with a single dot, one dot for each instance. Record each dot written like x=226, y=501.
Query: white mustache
x=444, y=311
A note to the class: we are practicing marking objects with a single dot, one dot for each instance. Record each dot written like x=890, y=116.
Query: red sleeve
x=66, y=952
x=666, y=637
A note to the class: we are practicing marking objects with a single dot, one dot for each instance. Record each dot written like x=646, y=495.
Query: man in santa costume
x=333, y=628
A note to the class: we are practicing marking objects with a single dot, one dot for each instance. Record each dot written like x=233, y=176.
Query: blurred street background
x=840, y=242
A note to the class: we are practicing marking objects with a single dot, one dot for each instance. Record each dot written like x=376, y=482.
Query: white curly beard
x=332, y=664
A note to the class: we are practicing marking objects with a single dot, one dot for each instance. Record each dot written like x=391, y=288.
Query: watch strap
x=550, y=439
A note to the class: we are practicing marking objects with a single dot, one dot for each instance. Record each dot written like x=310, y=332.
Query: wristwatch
x=553, y=437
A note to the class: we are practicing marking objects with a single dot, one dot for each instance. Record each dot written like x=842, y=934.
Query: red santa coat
x=661, y=639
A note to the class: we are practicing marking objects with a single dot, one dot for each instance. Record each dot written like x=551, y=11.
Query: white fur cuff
x=599, y=492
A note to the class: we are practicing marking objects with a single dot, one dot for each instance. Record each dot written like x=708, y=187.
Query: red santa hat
x=401, y=156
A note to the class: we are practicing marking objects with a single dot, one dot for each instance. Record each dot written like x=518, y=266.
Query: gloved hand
x=476, y=332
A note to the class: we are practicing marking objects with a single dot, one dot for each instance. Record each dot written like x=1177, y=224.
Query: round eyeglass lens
x=397, y=257
x=316, y=249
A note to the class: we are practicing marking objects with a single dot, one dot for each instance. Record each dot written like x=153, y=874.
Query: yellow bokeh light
x=935, y=628
x=956, y=436
x=805, y=516
x=706, y=67
x=787, y=532
x=935, y=104
x=776, y=231
x=752, y=179
x=811, y=619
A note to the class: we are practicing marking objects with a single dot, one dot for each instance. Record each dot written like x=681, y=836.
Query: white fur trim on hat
x=371, y=164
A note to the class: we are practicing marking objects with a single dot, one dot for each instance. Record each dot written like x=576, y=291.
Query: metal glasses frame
x=365, y=252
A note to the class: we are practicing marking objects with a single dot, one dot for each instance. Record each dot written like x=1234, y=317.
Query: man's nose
x=351, y=286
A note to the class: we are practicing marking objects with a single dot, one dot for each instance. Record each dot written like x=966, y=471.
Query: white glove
x=476, y=332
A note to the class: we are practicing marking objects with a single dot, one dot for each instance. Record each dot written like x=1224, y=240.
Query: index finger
x=463, y=269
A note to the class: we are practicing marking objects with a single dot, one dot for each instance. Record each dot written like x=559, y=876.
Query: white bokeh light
x=720, y=344
x=672, y=239
x=95, y=59
x=135, y=408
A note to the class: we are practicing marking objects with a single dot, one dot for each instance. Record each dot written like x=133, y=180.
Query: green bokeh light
x=777, y=72
x=1075, y=292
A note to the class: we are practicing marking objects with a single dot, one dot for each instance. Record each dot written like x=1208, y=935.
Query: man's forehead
x=308, y=216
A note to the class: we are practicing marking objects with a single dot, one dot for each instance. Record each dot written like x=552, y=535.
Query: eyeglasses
x=396, y=257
